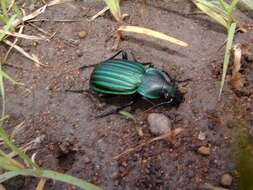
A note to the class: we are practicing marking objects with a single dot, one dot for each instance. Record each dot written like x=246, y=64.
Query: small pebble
x=226, y=180
x=202, y=136
x=159, y=124
x=2, y=187
x=219, y=188
x=208, y=186
x=82, y=34
x=203, y=150
x=79, y=53
x=115, y=175
x=87, y=160
x=211, y=126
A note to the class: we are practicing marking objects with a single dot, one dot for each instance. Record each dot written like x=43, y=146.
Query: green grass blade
x=6, y=164
x=215, y=6
x=127, y=115
x=218, y=17
x=223, y=4
x=2, y=91
x=230, y=39
x=16, y=10
x=4, y=6
x=6, y=76
x=3, y=18
x=248, y=3
x=14, y=148
x=114, y=9
x=12, y=161
x=52, y=175
x=231, y=10
x=8, y=26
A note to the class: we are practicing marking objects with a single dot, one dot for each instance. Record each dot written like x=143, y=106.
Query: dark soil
x=75, y=143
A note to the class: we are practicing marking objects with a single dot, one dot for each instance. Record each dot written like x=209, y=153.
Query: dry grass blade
x=14, y=43
x=41, y=184
x=16, y=129
x=99, y=13
x=18, y=35
x=148, y=32
x=32, y=57
x=28, y=17
x=56, y=2
x=28, y=146
x=236, y=76
x=11, y=5
x=37, y=12
x=7, y=164
x=11, y=161
x=24, y=149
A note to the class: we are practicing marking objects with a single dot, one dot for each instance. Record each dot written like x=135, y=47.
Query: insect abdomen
x=121, y=77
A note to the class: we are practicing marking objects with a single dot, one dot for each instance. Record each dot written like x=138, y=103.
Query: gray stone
x=159, y=124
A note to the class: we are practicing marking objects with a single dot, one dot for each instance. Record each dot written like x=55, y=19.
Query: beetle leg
x=115, y=55
x=115, y=110
x=124, y=55
x=148, y=100
x=133, y=56
x=169, y=76
x=182, y=81
x=145, y=63
x=93, y=65
x=76, y=91
x=178, y=81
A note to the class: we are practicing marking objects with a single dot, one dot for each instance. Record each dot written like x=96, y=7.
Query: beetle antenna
x=157, y=105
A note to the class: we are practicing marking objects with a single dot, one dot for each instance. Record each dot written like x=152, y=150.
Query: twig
x=39, y=29
x=53, y=20
x=171, y=136
x=99, y=13
x=136, y=148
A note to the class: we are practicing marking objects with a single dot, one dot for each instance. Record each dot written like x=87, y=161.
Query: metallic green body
x=120, y=77
x=124, y=77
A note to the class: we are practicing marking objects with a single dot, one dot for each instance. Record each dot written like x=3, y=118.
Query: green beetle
x=125, y=77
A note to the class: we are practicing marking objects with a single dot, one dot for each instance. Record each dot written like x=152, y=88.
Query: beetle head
x=172, y=94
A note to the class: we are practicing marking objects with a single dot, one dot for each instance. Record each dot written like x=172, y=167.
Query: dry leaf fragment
x=236, y=80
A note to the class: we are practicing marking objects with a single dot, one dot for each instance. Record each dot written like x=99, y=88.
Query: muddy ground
x=75, y=143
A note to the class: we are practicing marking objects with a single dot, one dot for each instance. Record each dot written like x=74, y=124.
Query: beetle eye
x=166, y=95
